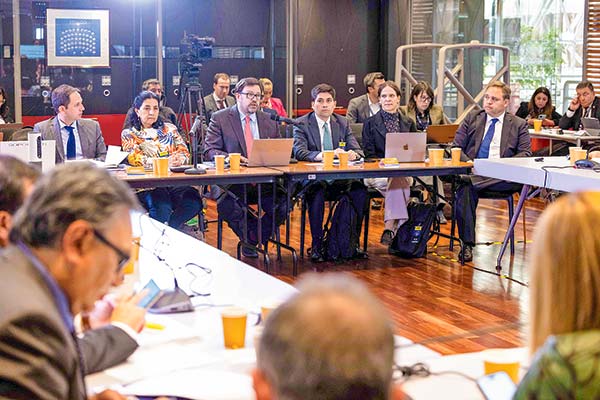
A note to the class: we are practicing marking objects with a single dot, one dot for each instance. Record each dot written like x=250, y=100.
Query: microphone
x=289, y=121
x=194, y=139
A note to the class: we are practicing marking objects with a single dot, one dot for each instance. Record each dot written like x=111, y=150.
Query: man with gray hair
x=362, y=107
x=69, y=241
x=332, y=341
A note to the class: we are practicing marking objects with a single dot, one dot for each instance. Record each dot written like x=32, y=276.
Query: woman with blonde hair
x=564, y=310
x=268, y=100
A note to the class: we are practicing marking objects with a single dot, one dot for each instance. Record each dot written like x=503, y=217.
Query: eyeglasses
x=124, y=258
x=252, y=96
x=425, y=99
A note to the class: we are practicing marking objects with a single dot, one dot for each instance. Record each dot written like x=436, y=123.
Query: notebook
x=270, y=152
x=406, y=146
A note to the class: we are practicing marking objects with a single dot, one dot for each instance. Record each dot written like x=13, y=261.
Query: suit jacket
x=105, y=347
x=225, y=133
x=90, y=136
x=166, y=113
x=358, y=109
x=38, y=356
x=574, y=122
x=373, y=134
x=436, y=113
x=307, y=138
x=210, y=105
x=514, y=142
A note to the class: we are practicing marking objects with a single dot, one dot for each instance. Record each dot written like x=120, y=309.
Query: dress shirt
x=373, y=107
x=217, y=100
x=586, y=112
x=495, y=144
x=64, y=134
x=253, y=123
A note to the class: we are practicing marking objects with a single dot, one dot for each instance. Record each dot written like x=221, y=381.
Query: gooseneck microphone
x=289, y=121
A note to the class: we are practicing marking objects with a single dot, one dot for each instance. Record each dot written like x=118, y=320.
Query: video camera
x=194, y=50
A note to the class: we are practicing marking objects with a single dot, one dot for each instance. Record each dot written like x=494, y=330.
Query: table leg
x=513, y=223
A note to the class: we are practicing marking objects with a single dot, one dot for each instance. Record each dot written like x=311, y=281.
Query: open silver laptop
x=406, y=146
x=591, y=125
x=270, y=152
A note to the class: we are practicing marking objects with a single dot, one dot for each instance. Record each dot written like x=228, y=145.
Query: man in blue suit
x=324, y=130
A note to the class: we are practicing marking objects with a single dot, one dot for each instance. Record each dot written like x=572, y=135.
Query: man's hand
x=574, y=104
x=128, y=312
x=107, y=395
x=352, y=155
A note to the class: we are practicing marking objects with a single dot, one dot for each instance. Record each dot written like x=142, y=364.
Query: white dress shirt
x=495, y=144
x=64, y=134
x=373, y=107
x=321, y=125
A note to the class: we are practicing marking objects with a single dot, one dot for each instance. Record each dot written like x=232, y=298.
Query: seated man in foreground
x=487, y=133
x=69, y=242
x=331, y=341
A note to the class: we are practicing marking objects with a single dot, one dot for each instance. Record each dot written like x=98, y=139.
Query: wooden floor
x=434, y=300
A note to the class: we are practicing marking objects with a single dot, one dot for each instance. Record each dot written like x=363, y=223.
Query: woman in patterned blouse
x=150, y=137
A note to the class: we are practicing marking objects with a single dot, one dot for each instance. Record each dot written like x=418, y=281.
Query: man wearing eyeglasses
x=584, y=105
x=487, y=133
x=69, y=242
x=233, y=130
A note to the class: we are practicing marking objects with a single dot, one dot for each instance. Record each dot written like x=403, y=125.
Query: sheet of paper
x=114, y=156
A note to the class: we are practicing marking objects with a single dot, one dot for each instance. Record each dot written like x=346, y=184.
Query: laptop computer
x=591, y=126
x=441, y=133
x=270, y=152
x=406, y=146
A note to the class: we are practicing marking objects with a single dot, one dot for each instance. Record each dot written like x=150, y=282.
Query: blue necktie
x=71, y=149
x=327, y=139
x=484, y=149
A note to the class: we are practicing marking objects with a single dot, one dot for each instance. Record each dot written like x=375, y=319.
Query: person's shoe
x=249, y=252
x=360, y=255
x=316, y=257
x=376, y=204
x=387, y=237
x=441, y=218
x=193, y=231
x=467, y=254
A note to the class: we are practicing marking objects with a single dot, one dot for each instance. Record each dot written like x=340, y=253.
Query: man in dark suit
x=584, y=105
x=101, y=348
x=166, y=113
x=324, y=130
x=76, y=138
x=233, y=130
x=487, y=133
x=219, y=99
x=69, y=242
x=362, y=107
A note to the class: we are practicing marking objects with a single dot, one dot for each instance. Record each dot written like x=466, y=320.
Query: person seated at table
x=323, y=130
x=333, y=340
x=564, y=328
x=233, y=130
x=166, y=113
x=364, y=106
x=5, y=117
x=421, y=110
x=219, y=99
x=584, y=105
x=395, y=190
x=269, y=101
x=150, y=137
x=424, y=113
x=488, y=133
x=540, y=104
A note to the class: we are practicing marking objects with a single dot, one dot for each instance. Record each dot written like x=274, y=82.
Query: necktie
x=484, y=149
x=327, y=140
x=220, y=104
x=248, y=136
x=71, y=152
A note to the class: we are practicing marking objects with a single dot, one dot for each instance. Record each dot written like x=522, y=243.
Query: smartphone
x=497, y=386
x=154, y=293
x=542, y=116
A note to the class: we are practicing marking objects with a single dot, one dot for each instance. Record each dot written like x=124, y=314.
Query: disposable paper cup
x=343, y=156
x=234, y=327
x=580, y=154
x=134, y=255
x=573, y=154
x=436, y=156
x=456, y=152
x=267, y=307
x=328, y=158
x=219, y=164
x=234, y=161
x=537, y=125
x=507, y=360
x=161, y=166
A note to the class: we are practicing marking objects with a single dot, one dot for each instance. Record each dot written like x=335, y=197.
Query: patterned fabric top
x=423, y=120
x=391, y=121
x=151, y=143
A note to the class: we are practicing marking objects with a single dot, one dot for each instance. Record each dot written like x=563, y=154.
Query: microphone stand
x=195, y=170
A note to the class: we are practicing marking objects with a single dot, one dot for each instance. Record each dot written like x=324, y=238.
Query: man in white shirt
x=362, y=107
x=219, y=99
x=76, y=137
x=487, y=133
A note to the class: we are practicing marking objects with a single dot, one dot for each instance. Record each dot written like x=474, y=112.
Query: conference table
x=546, y=172
x=566, y=136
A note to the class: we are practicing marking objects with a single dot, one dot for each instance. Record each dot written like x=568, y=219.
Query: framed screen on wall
x=77, y=38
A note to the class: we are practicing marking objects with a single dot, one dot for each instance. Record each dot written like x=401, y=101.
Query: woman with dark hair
x=421, y=109
x=540, y=104
x=150, y=137
x=5, y=117
x=395, y=190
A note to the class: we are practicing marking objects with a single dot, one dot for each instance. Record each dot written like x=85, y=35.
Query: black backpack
x=340, y=235
x=412, y=237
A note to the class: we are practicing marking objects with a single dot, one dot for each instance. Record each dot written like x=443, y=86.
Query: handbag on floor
x=412, y=236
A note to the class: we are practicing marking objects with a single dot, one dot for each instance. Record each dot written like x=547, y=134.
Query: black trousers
x=470, y=188
x=318, y=192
